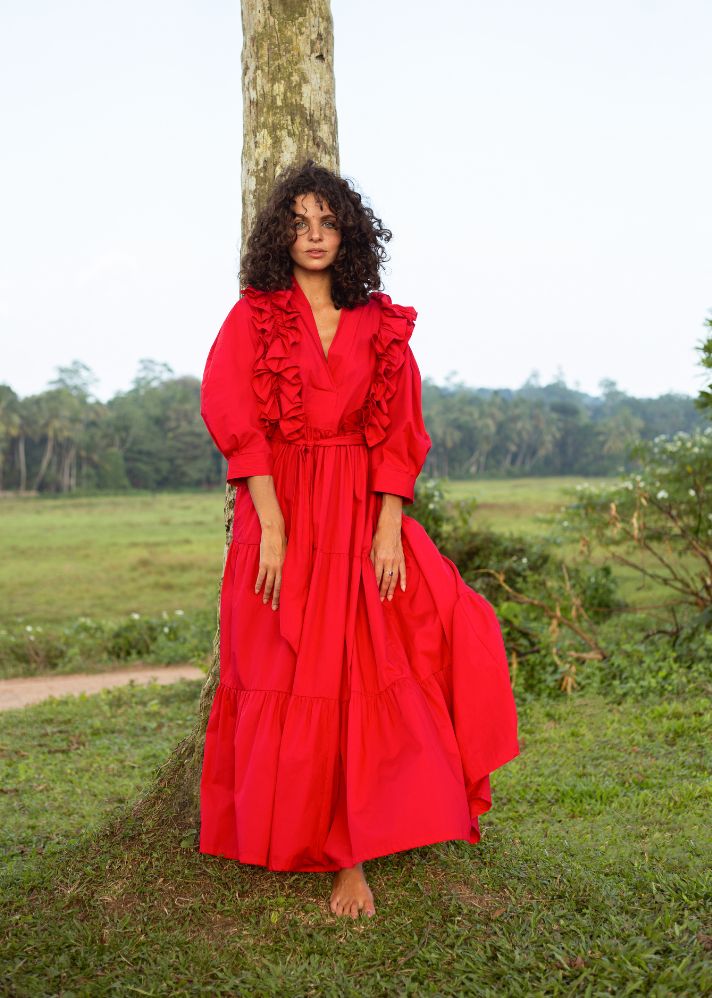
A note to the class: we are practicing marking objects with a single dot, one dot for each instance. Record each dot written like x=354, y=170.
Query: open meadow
x=109, y=556
x=89, y=583
x=592, y=876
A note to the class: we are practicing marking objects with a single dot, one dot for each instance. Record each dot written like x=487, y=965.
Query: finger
x=392, y=579
x=386, y=580
x=260, y=578
x=277, y=590
x=269, y=583
x=402, y=573
x=380, y=571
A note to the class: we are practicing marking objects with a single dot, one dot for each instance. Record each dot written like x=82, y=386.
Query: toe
x=353, y=909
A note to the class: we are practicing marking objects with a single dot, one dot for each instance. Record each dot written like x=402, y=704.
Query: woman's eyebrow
x=301, y=214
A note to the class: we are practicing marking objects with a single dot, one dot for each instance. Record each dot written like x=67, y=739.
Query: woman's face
x=318, y=236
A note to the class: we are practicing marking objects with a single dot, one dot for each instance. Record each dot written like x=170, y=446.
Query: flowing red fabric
x=343, y=728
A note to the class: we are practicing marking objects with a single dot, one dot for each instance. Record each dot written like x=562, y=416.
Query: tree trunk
x=288, y=93
x=46, y=458
x=70, y=458
x=289, y=114
x=22, y=462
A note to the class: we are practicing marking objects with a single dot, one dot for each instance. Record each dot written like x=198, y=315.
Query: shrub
x=659, y=522
x=549, y=610
x=31, y=649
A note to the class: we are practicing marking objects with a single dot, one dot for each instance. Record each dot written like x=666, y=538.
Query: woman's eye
x=302, y=225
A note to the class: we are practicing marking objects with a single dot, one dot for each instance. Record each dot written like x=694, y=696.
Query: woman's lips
x=316, y=252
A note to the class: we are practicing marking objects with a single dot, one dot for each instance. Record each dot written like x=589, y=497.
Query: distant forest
x=152, y=436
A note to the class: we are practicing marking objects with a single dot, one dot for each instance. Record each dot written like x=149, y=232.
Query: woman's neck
x=316, y=285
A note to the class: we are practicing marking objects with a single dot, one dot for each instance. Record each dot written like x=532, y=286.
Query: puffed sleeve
x=398, y=459
x=228, y=403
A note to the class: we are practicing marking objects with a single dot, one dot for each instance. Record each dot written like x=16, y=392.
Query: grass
x=517, y=505
x=590, y=879
x=77, y=571
x=110, y=556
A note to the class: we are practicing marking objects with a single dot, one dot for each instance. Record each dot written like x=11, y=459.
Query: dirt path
x=26, y=690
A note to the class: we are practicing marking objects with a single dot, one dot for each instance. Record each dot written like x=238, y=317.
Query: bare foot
x=351, y=893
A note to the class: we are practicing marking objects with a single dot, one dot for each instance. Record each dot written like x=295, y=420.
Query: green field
x=591, y=878
x=91, y=583
x=519, y=505
x=110, y=556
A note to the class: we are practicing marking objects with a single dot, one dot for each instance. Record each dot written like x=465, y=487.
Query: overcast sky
x=544, y=167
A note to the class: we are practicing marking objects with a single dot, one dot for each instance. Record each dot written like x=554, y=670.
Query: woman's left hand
x=387, y=553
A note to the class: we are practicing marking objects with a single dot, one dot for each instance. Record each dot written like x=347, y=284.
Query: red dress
x=343, y=728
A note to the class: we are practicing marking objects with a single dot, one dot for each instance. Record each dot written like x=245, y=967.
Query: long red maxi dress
x=343, y=727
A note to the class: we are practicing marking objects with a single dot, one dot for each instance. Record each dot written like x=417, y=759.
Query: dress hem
x=277, y=867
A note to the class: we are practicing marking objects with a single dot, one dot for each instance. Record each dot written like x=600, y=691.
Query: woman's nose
x=315, y=232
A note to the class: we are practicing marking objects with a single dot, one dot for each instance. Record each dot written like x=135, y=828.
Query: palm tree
x=619, y=432
x=486, y=420
x=9, y=420
x=21, y=436
x=49, y=426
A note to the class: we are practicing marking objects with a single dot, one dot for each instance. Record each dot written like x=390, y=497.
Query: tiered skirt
x=345, y=727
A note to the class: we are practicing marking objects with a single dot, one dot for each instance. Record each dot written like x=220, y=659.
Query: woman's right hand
x=273, y=550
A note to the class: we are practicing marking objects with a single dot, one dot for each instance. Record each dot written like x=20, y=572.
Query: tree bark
x=288, y=93
x=289, y=114
x=46, y=458
x=22, y=462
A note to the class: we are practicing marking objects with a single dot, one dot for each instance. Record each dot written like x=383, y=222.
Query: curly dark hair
x=266, y=263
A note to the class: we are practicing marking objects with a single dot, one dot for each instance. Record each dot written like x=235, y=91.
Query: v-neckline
x=311, y=323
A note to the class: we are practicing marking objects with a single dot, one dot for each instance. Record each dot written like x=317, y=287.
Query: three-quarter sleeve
x=228, y=403
x=397, y=460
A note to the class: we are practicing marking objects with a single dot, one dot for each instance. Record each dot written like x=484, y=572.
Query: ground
x=590, y=878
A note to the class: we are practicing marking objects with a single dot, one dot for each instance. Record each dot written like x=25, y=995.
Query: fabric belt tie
x=298, y=562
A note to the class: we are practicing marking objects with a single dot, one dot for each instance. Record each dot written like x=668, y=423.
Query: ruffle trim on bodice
x=275, y=376
x=276, y=379
x=390, y=341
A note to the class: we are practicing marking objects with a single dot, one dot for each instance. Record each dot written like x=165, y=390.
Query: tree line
x=64, y=440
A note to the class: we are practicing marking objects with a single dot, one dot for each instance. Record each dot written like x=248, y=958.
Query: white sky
x=544, y=167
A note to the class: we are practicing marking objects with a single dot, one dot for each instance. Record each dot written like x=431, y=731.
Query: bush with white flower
x=658, y=522
x=439, y=516
x=86, y=644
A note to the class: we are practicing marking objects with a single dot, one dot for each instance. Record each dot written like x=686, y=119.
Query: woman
x=364, y=694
